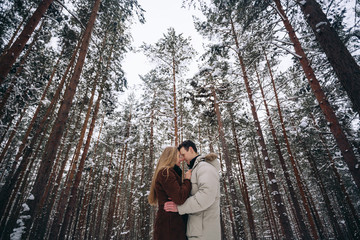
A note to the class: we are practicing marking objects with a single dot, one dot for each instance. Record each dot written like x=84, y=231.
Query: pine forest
x=276, y=95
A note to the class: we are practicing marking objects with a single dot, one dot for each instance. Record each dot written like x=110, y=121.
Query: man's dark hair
x=186, y=144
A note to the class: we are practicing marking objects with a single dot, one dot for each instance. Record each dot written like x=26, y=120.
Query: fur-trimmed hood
x=210, y=158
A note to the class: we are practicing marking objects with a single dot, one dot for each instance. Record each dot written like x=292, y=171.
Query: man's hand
x=188, y=175
x=170, y=207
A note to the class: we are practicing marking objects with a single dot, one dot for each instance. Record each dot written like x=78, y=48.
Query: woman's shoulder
x=165, y=172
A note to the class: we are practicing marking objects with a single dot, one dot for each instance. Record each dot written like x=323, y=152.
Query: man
x=203, y=206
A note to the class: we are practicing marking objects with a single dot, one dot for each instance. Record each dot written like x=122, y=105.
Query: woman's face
x=177, y=160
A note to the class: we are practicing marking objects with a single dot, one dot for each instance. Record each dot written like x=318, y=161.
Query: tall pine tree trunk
x=230, y=175
x=72, y=201
x=303, y=228
x=283, y=217
x=344, y=65
x=175, y=107
x=339, y=135
x=7, y=60
x=19, y=69
x=59, y=125
x=244, y=186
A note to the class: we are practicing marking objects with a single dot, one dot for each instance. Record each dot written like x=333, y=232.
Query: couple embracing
x=188, y=209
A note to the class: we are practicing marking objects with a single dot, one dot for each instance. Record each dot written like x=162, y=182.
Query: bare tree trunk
x=240, y=233
x=270, y=220
x=339, y=135
x=230, y=209
x=19, y=69
x=284, y=219
x=130, y=210
x=344, y=65
x=243, y=186
x=123, y=157
x=72, y=201
x=175, y=108
x=7, y=60
x=81, y=228
x=303, y=228
x=100, y=204
x=59, y=125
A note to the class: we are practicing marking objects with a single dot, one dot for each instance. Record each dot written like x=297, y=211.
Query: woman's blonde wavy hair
x=167, y=160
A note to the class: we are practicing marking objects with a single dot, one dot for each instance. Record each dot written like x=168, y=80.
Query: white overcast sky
x=160, y=15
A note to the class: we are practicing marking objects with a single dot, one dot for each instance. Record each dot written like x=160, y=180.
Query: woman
x=166, y=184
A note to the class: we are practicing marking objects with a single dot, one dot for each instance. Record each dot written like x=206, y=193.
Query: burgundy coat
x=170, y=225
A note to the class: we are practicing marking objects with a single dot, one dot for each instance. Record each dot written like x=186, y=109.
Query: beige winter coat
x=203, y=206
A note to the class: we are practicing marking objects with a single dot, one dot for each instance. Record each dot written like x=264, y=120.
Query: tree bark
x=339, y=135
x=59, y=125
x=175, y=107
x=240, y=233
x=7, y=61
x=343, y=63
x=72, y=201
x=303, y=228
x=243, y=186
x=283, y=217
x=19, y=69
x=230, y=209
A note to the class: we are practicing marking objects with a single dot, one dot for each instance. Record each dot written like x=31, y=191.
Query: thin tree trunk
x=284, y=219
x=19, y=69
x=243, y=186
x=59, y=125
x=230, y=209
x=303, y=228
x=175, y=109
x=271, y=222
x=14, y=177
x=339, y=135
x=129, y=222
x=112, y=205
x=86, y=200
x=72, y=201
x=100, y=207
x=123, y=157
x=7, y=61
x=238, y=219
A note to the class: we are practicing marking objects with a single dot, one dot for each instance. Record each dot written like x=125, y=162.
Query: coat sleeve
x=208, y=181
x=177, y=192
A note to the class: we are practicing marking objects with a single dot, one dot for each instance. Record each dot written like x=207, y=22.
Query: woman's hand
x=188, y=174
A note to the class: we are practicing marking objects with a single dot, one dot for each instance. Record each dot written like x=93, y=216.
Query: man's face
x=185, y=155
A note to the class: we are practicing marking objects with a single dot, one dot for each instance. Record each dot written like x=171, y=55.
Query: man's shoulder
x=205, y=166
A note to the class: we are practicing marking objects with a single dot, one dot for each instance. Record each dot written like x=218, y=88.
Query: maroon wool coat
x=170, y=225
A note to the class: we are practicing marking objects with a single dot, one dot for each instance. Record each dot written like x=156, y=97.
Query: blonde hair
x=167, y=160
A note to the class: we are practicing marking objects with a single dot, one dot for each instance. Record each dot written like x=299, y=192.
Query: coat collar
x=210, y=158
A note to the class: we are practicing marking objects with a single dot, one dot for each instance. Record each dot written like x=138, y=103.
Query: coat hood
x=210, y=158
